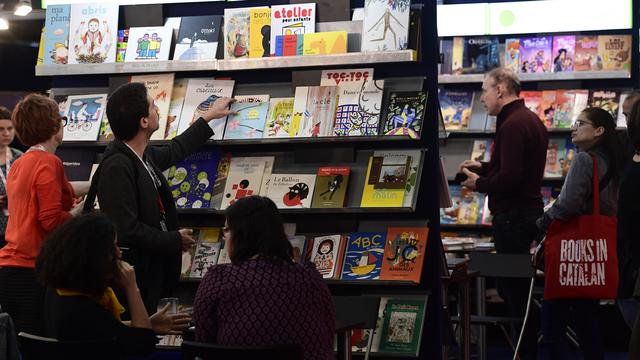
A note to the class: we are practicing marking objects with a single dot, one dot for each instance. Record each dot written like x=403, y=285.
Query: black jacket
x=126, y=193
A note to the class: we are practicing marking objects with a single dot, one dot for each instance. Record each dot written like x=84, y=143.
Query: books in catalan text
x=245, y=178
x=56, y=34
x=326, y=255
x=191, y=180
x=93, y=33
x=363, y=256
x=402, y=326
x=293, y=19
x=404, y=253
x=200, y=96
x=248, y=120
x=291, y=191
x=331, y=187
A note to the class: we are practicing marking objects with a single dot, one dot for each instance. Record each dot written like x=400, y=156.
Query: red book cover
x=532, y=100
x=548, y=108
x=290, y=45
x=404, y=254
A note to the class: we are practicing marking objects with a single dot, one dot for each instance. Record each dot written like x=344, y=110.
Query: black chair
x=355, y=312
x=192, y=349
x=33, y=347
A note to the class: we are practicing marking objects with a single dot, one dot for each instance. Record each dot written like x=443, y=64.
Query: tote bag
x=581, y=261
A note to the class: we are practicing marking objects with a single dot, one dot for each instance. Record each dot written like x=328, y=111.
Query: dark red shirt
x=513, y=177
x=258, y=302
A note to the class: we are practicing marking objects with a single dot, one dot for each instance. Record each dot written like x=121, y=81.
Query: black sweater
x=629, y=229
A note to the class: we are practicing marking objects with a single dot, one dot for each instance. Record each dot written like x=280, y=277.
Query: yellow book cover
x=332, y=42
x=372, y=197
x=259, y=32
x=209, y=234
x=615, y=51
x=41, y=49
x=456, y=58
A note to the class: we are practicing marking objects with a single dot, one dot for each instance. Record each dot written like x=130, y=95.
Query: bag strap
x=596, y=186
x=92, y=194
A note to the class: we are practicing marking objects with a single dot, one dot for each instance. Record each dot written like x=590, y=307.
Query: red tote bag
x=581, y=261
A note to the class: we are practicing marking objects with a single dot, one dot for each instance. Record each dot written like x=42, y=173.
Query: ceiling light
x=23, y=8
x=4, y=24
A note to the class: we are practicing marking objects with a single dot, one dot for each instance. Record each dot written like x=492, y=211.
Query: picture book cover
x=291, y=191
x=456, y=108
x=56, y=34
x=198, y=38
x=548, y=108
x=457, y=54
x=278, y=122
x=512, y=55
x=450, y=215
x=175, y=107
x=93, y=33
x=402, y=326
x=191, y=180
x=363, y=256
x=389, y=172
x=40, y=59
x=201, y=94
x=160, y=88
x=481, y=150
x=331, y=187
x=292, y=19
x=377, y=336
x=259, y=32
x=415, y=157
x=386, y=25
x=219, y=184
x=317, y=118
x=342, y=76
x=249, y=120
x=84, y=117
x=187, y=261
x=565, y=100
x=621, y=119
x=555, y=152
x=615, y=51
x=404, y=254
x=372, y=197
x=481, y=54
x=236, y=32
x=326, y=254
x=358, y=110
x=149, y=43
x=405, y=114
x=105, y=134
x=244, y=179
x=471, y=207
x=298, y=242
x=580, y=102
x=608, y=100
x=206, y=255
x=323, y=43
x=587, y=58
x=535, y=54
x=564, y=48
x=532, y=100
x=121, y=45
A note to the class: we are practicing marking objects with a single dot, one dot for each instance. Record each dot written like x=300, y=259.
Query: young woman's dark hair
x=633, y=126
x=5, y=114
x=125, y=107
x=80, y=255
x=610, y=141
x=257, y=229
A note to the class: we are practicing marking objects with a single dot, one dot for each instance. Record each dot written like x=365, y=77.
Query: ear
x=143, y=123
x=599, y=131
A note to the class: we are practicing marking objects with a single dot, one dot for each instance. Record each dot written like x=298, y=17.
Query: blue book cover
x=249, y=121
x=191, y=180
x=56, y=34
x=279, y=45
x=300, y=44
x=363, y=256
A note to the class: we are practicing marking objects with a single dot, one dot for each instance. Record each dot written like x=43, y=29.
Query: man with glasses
x=512, y=180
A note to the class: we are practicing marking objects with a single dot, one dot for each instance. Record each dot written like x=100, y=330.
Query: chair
x=39, y=347
x=192, y=349
x=355, y=312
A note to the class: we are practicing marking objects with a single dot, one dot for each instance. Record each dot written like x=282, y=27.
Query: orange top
x=40, y=197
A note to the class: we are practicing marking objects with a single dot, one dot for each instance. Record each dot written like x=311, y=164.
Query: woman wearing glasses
x=7, y=156
x=594, y=133
x=40, y=199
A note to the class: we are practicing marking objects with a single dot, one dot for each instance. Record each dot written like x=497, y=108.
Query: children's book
x=84, y=117
x=480, y=55
x=512, y=55
x=105, y=134
x=331, y=187
x=457, y=54
x=580, y=102
x=292, y=19
x=456, y=108
x=564, y=48
x=380, y=197
x=608, y=100
x=298, y=242
x=244, y=179
x=386, y=25
x=323, y=43
x=160, y=88
x=471, y=207
x=535, y=54
x=621, y=119
x=615, y=51
x=219, y=185
x=56, y=34
x=548, y=108
x=149, y=43
x=259, y=32
x=481, y=150
x=187, y=262
x=198, y=38
x=291, y=191
x=316, y=116
x=121, y=45
x=40, y=59
x=191, y=180
x=249, y=119
x=405, y=114
x=587, y=58
x=279, y=119
x=342, y=76
x=93, y=33
x=326, y=254
x=412, y=178
x=236, y=32
x=175, y=107
x=363, y=256
x=358, y=110
x=200, y=96
x=402, y=326
x=555, y=153
x=450, y=215
x=404, y=254
x=532, y=100
x=206, y=255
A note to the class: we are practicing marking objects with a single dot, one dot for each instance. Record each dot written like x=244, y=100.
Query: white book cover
x=201, y=94
x=244, y=179
x=581, y=102
x=149, y=43
x=236, y=33
x=280, y=117
x=319, y=112
x=93, y=33
x=622, y=120
x=291, y=191
x=292, y=19
x=266, y=175
x=412, y=176
x=343, y=76
x=175, y=107
x=358, y=110
x=249, y=119
x=84, y=116
x=324, y=254
x=160, y=88
x=206, y=255
x=386, y=25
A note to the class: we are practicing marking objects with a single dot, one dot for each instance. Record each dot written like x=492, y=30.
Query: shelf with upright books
x=470, y=227
x=531, y=77
x=127, y=67
x=312, y=211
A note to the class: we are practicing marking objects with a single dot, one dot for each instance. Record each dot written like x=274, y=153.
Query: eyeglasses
x=580, y=123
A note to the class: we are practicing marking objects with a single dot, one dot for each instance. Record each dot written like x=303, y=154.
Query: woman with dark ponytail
x=594, y=133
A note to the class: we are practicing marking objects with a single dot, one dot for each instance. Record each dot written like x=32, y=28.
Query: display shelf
x=470, y=134
x=336, y=282
x=127, y=67
x=312, y=211
x=317, y=60
x=529, y=77
x=457, y=227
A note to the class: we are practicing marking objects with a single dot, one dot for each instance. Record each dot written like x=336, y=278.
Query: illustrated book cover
x=564, y=48
x=405, y=114
x=358, y=110
x=386, y=25
x=56, y=34
x=191, y=180
x=331, y=187
x=363, y=256
x=535, y=54
x=402, y=326
x=149, y=43
x=245, y=178
x=404, y=253
x=198, y=38
x=615, y=51
x=279, y=119
x=326, y=254
x=200, y=96
x=293, y=19
x=456, y=108
x=93, y=33
x=291, y=191
x=84, y=117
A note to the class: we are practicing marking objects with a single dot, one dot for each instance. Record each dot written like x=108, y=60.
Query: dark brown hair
x=36, y=119
x=5, y=114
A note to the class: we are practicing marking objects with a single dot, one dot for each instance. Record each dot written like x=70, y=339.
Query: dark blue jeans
x=556, y=315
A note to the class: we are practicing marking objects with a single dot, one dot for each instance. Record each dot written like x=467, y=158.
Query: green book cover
x=402, y=326
x=331, y=187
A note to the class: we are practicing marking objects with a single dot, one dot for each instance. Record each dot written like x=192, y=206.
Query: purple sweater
x=258, y=302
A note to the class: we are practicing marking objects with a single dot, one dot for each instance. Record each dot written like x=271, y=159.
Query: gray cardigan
x=576, y=194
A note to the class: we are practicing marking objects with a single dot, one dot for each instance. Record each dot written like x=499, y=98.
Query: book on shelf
x=621, y=119
x=606, y=99
x=615, y=52
x=207, y=252
x=292, y=19
x=363, y=256
x=404, y=253
x=327, y=254
x=200, y=96
x=40, y=59
x=331, y=187
x=149, y=43
x=358, y=109
x=481, y=150
x=198, y=38
x=512, y=55
x=298, y=243
x=84, y=117
x=236, y=33
x=324, y=43
x=386, y=25
x=223, y=258
x=471, y=207
x=456, y=108
x=191, y=180
x=405, y=114
x=480, y=55
x=314, y=110
x=56, y=35
x=259, y=32
x=342, y=76
x=245, y=178
x=93, y=33
x=380, y=196
x=402, y=326
x=178, y=94
x=564, y=48
x=105, y=133
x=217, y=192
x=535, y=54
x=587, y=58
x=121, y=45
x=532, y=100
x=278, y=123
x=446, y=57
x=289, y=45
x=187, y=262
x=555, y=154
x=160, y=88
x=548, y=108
x=249, y=119
x=478, y=120
x=291, y=191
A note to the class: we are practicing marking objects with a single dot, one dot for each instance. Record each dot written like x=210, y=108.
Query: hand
x=219, y=109
x=127, y=276
x=174, y=324
x=187, y=240
x=471, y=165
x=470, y=183
x=77, y=210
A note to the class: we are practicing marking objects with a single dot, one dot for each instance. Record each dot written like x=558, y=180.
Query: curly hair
x=80, y=255
x=36, y=119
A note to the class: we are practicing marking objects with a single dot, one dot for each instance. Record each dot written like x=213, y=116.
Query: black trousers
x=513, y=234
x=22, y=297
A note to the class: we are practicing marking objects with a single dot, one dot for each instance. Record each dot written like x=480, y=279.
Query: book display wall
x=336, y=122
